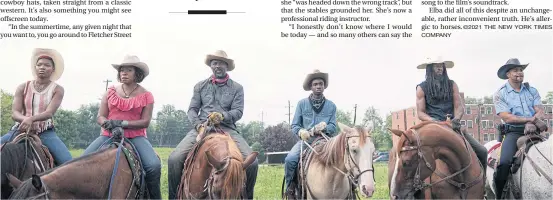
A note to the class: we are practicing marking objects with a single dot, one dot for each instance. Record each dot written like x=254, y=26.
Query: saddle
x=40, y=152
x=138, y=173
x=523, y=144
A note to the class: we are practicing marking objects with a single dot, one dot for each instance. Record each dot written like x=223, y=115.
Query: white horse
x=535, y=185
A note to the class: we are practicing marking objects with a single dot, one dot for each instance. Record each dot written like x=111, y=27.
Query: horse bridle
x=420, y=184
x=208, y=186
x=45, y=193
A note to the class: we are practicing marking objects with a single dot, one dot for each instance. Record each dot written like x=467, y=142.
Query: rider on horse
x=438, y=96
x=129, y=106
x=35, y=103
x=518, y=105
x=314, y=111
x=220, y=97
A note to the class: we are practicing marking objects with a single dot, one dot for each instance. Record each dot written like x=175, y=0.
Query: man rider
x=218, y=95
x=438, y=96
x=314, y=114
x=518, y=106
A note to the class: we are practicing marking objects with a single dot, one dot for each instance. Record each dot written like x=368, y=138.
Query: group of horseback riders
x=126, y=109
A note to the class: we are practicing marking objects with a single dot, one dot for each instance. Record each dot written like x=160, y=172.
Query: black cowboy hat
x=511, y=63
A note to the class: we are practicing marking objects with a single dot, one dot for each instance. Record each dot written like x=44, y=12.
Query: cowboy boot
x=291, y=191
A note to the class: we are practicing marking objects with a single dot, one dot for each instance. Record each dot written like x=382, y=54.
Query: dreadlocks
x=438, y=87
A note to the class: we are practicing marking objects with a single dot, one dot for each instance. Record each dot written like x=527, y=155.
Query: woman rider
x=130, y=106
x=35, y=103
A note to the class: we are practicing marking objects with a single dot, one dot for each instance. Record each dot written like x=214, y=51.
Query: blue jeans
x=291, y=162
x=57, y=148
x=150, y=161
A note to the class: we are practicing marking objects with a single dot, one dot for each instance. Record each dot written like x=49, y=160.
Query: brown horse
x=214, y=169
x=88, y=177
x=23, y=157
x=434, y=152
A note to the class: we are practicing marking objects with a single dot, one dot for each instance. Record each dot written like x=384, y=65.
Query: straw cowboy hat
x=220, y=55
x=511, y=63
x=132, y=60
x=448, y=64
x=39, y=53
x=316, y=74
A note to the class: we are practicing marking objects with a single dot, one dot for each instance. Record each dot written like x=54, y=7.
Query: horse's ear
x=396, y=132
x=217, y=164
x=249, y=160
x=37, y=183
x=14, y=182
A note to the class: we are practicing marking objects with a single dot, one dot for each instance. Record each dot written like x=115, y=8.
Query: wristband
x=125, y=123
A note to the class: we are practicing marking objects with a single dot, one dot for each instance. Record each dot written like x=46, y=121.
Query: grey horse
x=536, y=182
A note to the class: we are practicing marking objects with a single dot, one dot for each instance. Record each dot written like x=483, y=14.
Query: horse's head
x=228, y=170
x=358, y=159
x=33, y=188
x=410, y=168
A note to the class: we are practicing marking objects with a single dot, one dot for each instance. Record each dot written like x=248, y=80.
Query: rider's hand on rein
x=304, y=134
x=117, y=132
x=542, y=126
x=530, y=128
x=215, y=117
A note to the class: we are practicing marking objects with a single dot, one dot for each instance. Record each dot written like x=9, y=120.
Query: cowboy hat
x=56, y=57
x=220, y=55
x=511, y=63
x=448, y=64
x=132, y=60
x=316, y=74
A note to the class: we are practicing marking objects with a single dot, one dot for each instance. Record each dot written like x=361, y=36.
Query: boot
x=291, y=191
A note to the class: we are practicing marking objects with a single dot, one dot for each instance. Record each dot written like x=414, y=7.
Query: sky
x=367, y=72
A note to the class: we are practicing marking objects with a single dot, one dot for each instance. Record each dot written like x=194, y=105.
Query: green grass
x=269, y=178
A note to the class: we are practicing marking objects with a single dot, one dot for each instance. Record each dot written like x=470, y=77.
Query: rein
x=353, y=179
x=421, y=185
x=208, y=186
x=45, y=193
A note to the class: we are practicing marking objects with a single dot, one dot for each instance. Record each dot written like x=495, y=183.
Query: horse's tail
x=235, y=177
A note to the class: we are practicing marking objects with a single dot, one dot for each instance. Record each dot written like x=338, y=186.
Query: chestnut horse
x=214, y=169
x=434, y=151
x=23, y=156
x=114, y=172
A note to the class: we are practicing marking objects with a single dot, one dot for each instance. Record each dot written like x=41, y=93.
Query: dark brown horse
x=434, y=152
x=23, y=157
x=214, y=169
x=88, y=177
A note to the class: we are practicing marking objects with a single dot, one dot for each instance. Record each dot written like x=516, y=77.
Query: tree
x=6, y=112
x=278, y=138
x=172, y=124
x=549, y=98
x=67, y=127
x=251, y=131
x=484, y=100
x=344, y=117
x=373, y=121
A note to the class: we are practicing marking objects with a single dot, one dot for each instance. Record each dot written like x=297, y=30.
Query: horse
x=216, y=162
x=23, y=156
x=344, y=160
x=432, y=155
x=533, y=159
x=114, y=171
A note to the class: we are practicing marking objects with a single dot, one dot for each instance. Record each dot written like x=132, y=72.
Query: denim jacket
x=305, y=117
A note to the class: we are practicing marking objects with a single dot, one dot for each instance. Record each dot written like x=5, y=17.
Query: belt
x=511, y=128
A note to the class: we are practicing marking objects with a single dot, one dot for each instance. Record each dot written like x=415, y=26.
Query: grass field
x=269, y=178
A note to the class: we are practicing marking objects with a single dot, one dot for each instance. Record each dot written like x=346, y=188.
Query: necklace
x=128, y=95
x=39, y=87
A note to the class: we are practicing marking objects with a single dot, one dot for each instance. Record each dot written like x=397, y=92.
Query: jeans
x=57, y=148
x=179, y=154
x=291, y=162
x=479, y=149
x=150, y=161
x=508, y=151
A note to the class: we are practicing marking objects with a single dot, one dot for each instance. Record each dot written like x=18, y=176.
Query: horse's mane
x=332, y=152
x=12, y=157
x=235, y=173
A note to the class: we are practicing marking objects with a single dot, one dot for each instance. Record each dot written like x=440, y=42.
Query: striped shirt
x=35, y=102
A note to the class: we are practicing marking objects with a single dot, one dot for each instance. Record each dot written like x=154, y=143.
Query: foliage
x=484, y=100
x=6, y=112
x=381, y=136
x=548, y=98
x=344, y=117
x=278, y=138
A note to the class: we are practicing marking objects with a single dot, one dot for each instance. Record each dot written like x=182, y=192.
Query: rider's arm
x=17, y=105
x=144, y=120
x=331, y=126
x=297, y=121
x=195, y=105
x=421, y=106
x=103, y=110
x=537, y=104
x=459, y=103
x=53, y=106
x=502, y=109
x=237, y=107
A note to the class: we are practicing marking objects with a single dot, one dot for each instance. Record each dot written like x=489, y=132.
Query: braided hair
x=438, y=87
